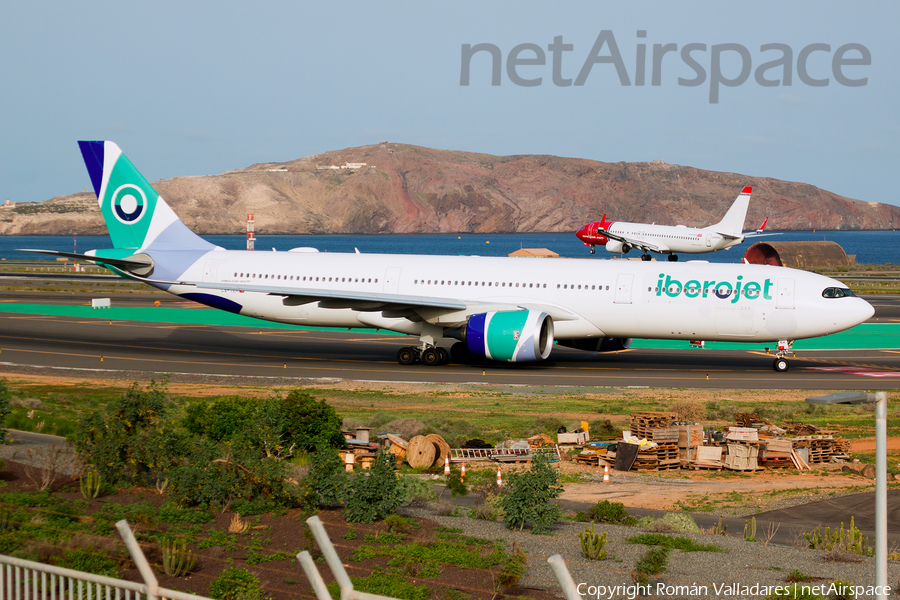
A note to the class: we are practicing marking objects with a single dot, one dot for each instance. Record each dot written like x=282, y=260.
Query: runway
x=62, y=344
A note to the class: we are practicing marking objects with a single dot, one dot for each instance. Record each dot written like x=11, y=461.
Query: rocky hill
x=411, y=189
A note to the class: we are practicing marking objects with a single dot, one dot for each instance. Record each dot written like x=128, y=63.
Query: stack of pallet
x=776, y=454
x=841, y=450
x=643, y=423
x=663, y=457
x=690, y=437
x=742, y=457
x=709, y=458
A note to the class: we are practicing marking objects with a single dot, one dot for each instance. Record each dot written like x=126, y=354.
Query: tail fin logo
x=129, y=207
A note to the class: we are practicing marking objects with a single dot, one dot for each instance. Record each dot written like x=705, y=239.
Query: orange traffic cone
x=446, y=466
x=462, y=473
x=499, y=478
x=605, y=473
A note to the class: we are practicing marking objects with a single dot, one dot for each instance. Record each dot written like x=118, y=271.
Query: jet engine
x=617, y=247
x=510, y=335
x=608, y=344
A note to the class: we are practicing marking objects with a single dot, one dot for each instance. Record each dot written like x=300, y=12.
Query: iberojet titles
x=721, y=289
x=739, y=590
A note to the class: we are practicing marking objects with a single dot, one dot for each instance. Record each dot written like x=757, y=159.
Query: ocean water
x=870, y=247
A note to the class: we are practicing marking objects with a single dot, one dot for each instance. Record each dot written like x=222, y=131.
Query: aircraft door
x=392, y=280
x=623, y=288
x=708, y=240
x=210, y=270
x=785, y=297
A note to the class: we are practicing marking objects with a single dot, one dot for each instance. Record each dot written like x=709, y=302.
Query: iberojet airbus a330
x=504, y=309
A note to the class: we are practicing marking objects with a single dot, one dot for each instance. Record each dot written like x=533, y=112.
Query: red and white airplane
x=619, y=238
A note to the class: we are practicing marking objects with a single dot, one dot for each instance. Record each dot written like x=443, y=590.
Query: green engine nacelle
x=510, y=336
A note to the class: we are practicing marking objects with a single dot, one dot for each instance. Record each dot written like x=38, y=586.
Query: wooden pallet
x=776, y=463
x=704, y=466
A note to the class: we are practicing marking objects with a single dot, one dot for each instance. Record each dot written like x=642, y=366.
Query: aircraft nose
x=855, y=314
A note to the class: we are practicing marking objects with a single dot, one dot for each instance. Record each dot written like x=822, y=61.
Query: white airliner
x=503, y=309
x=665, y=239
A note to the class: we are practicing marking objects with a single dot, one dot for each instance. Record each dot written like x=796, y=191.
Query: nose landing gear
x=785, y=347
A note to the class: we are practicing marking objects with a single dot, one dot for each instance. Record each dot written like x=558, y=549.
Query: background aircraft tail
x=732, y=224
x=136, y=216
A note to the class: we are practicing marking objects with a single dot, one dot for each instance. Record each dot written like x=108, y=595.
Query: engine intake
x=510, y=336
x=617, y=247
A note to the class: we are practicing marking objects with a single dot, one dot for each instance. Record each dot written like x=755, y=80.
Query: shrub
x=689, y=410
x=529, y=496
x=221, y=419
x=5, y=409
x=134, y=441
x=236, y=584
x=327, y=481
x=670, y=522
x=309, y=422
x=415, y=491
x=611, y=512
x=373, y=495
x=652, y=563
x=679, y=543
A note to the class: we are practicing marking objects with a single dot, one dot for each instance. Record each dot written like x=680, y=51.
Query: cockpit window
x=836, y=293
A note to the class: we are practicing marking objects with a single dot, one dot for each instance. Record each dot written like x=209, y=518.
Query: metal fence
x=27, y=580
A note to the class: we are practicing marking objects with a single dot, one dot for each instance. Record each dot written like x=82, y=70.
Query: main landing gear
x=785, y=347
x=673, y=258
x=645, y=257
x=431, y=356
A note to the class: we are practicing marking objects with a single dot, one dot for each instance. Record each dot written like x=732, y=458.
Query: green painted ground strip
x=865, y=336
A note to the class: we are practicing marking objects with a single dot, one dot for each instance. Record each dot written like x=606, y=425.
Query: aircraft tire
x=406, y=355
x=445, y=355
x=459, y=351
x=673, y=258
x=781, y=365
x=431, y=357
x=645, y=257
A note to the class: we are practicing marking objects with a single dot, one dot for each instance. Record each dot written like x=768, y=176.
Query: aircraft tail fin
x=135, y=214
x=762, y=227
x=732, y=224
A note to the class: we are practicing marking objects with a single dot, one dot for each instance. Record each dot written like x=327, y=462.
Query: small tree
x=327, y=480
x=375, y=494
x=529, y=496
x=4, y=410
x=309, y=423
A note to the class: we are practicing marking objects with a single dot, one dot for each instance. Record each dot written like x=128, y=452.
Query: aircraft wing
x=444, y=311
x=634, y=242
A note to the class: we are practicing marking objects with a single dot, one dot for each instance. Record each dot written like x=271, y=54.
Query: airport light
x=879, y=399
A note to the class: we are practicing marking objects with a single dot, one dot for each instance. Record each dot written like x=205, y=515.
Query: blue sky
x=194, y=88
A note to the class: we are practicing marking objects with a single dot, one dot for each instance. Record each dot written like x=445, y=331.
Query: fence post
x=564, y=577
x=137, y=555
x=312, y=573
x=331, y=556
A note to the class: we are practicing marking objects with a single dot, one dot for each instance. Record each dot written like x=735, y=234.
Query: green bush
x=652, y=563
x=134, y=441
x=611, y=512
x=415, y=491
x=529, y=496
x=310, y=423
x=670, y=522
x=4, y=410
x=327, y=481
x=236, y=584
x=220, y=419
x=679, y=543
x=88, y=560
x=374, y=494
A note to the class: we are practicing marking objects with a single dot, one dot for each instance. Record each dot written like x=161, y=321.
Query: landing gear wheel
x=459, y=351
x=645, y=257
x=781, y=365
x=592, y=249
x=673, y=258
x=431, y=357
x=445, y=356
x=406, y=355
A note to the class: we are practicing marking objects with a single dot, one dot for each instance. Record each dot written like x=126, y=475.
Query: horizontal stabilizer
x=139, y=264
